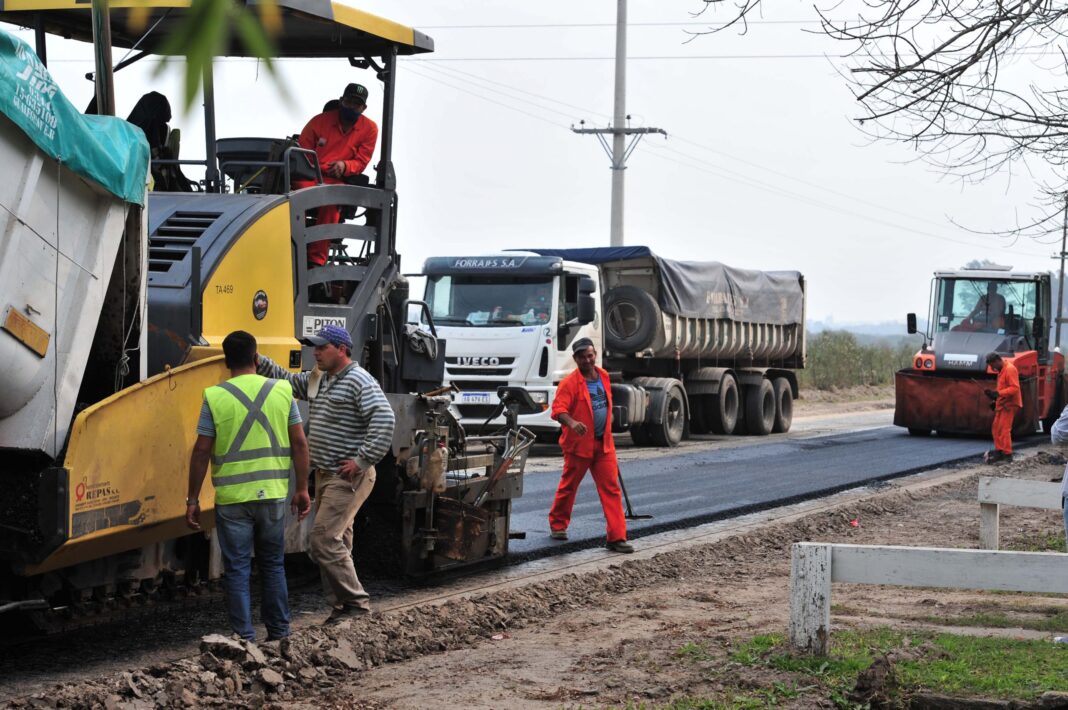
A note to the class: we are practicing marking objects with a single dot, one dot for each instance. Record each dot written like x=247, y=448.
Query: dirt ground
x=610, y=637
x=861, y=398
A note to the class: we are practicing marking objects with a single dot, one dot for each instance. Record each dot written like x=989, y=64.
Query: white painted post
x=810, y=597
x=988, y=526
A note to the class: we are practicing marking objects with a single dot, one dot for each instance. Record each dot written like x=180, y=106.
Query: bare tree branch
x=956, y=80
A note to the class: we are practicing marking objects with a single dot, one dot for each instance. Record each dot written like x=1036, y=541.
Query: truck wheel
x=760, y=408
x=673, y=419
x=784, y=405
x=725, y=407
x=631, y=317
x=639, y=434
x=913, y=431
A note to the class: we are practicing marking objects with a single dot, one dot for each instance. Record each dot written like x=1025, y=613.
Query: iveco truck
x=691, y=347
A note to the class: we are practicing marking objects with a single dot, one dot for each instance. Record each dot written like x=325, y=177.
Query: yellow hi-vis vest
x=251, y=457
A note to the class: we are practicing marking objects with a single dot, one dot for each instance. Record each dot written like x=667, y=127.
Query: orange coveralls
x=331, y=143
x=587, y=453
x=1009, y=401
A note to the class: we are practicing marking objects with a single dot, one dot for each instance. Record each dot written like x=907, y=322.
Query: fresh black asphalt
x=689, y=488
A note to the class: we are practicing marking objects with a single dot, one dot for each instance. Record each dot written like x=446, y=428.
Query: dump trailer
x=691, y=346
x=116, y=300
x=974, y=312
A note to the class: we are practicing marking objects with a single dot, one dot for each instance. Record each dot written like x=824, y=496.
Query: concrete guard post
x=810, y=598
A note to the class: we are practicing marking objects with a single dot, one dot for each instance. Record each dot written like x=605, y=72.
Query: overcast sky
x=763, y=167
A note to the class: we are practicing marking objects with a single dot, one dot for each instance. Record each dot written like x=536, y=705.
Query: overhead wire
x=716, y=151
x=569, y=25
x=728, y=174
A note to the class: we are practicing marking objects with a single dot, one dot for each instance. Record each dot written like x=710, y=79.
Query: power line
x=540, y=106
x=484, y=98
x=727, y=174
x=568, y=25
x=734, y=176
x=807, y=183
x=450, y=70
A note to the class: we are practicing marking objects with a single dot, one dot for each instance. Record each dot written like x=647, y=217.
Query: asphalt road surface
x=691, y=487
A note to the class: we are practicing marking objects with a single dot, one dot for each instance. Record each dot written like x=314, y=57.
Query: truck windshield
x=490, y=301
x=985, y=306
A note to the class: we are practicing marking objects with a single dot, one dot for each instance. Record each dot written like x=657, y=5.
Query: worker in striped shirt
x=350, y=429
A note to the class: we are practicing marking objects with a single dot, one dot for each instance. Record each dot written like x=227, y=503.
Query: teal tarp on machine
x=104, y=149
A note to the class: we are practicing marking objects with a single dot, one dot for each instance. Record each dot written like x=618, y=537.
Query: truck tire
x=631, y=317
x=639, y=434
x=760, y=408
x=724, y=414
x=673, y=418
x=916, y=431
x=784, y=405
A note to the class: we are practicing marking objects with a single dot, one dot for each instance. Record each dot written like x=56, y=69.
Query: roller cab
x=974, y=313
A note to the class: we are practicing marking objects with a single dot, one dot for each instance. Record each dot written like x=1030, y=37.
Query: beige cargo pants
x=336, y=504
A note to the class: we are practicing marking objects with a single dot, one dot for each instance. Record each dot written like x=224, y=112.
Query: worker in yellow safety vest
x=250, y=430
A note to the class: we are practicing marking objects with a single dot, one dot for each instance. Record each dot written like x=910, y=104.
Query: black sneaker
x=558, y=534
x=620, y=546
x=348, y=611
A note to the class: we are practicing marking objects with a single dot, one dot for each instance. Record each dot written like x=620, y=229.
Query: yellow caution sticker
x=25, y=331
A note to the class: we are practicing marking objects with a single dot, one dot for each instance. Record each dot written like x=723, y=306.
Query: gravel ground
x=607, y=637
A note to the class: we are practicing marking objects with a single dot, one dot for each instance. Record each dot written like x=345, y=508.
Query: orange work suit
x=331, y=142
x=1009, y=401
x=587, y=453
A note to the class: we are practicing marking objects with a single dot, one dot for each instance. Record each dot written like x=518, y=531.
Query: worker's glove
x=992, y=394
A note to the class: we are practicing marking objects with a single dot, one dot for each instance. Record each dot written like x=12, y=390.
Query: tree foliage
x=975, y=85
x=208, y=29
x=836, y=359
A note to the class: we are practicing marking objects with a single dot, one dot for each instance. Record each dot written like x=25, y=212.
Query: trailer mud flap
x=956, y=405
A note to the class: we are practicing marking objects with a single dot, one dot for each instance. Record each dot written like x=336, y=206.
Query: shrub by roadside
x=837, y=359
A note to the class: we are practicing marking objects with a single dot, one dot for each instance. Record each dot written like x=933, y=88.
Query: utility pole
x=105, y=80
x=1060, y=286
x=620, y=151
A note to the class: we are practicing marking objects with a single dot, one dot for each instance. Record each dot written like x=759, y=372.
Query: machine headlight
x=919, y=363
x=929, y=364
x=540, y=397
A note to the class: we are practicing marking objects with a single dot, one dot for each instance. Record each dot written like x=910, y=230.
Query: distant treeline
x=837, y=358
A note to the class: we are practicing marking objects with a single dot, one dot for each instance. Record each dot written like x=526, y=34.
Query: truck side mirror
x=587, y=309
x=910, y=320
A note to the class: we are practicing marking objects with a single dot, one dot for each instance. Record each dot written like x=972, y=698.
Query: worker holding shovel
x=583, y=406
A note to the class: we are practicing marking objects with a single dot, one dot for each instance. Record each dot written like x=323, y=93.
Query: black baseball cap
x=580, y=345
x=355, y=91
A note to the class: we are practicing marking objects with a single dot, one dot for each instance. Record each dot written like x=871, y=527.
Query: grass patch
x=1038, y=542
x=1033, y=620
x=944, y=663
x=773, y=696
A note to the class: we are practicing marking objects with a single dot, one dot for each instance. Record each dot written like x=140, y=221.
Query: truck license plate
x=476, y=398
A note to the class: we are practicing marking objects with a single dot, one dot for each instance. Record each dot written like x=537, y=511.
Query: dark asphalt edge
x=693, y=521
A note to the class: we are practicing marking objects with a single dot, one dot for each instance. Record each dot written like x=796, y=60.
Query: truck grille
x=479, y=366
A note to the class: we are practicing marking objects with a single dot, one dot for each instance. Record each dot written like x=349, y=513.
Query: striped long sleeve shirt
x=349, y=418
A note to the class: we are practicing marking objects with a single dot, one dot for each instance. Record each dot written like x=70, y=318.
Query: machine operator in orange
x=344, y=139
x=1007, y=401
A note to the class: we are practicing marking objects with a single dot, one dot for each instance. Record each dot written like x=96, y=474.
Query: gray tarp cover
x=709, y=289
